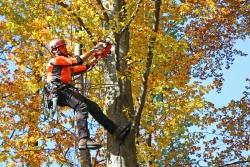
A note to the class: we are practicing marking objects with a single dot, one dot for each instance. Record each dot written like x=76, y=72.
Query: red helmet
x=55, y=43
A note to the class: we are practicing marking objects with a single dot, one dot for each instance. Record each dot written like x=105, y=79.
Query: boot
x=122, y=131
x=84, y=144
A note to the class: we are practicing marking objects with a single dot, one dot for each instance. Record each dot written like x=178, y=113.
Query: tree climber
x=60, y=70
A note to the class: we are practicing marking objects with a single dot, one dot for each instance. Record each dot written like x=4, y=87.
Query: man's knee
x=81, y=118
x=81, y=107
x=82, y=123
x=83, y=114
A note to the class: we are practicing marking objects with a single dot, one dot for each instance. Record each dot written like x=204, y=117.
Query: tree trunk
x=85, y=158
x=119, y=98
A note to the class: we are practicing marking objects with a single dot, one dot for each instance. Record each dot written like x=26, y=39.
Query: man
x=60, y=70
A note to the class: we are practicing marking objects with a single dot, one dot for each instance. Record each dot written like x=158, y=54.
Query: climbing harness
x=50, y=98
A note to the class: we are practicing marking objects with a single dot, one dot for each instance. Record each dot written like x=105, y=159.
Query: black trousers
x=68, y=95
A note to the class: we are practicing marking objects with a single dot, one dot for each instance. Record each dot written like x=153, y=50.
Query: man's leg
x=82, y=106
x=71, y=99
x=99, y=116
x=68, y=97
x=119, y=132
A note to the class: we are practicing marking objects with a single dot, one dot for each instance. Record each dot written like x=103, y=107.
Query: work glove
x=102, y=49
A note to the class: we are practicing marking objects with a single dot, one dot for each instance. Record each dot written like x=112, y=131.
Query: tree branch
x=80, y=21
x=105, y=14
x=234, y=163
x=144, y=85
x=133, y=15
x=11, y=135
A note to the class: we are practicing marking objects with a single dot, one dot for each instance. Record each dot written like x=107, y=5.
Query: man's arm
x=79, y=69
x=86, y=55
x=84, y=68
x=78, y=60
x=97, y=50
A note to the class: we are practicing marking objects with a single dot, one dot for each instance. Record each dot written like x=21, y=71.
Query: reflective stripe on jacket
x=62, y=68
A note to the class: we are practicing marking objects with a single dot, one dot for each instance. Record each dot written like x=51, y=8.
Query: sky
x=233, y=87
x=235, y=78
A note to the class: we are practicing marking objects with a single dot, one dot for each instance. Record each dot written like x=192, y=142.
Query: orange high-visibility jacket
x=62, y=68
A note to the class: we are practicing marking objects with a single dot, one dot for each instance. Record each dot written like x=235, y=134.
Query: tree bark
x=119, y=97
x=85, y=158
x=119, y=101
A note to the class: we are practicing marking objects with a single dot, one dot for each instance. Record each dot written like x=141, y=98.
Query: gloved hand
x=102, y=49
x=107, y=49
x=91, y=64
x=98, y=48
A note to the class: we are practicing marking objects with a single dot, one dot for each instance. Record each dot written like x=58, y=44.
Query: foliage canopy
x=193, y=39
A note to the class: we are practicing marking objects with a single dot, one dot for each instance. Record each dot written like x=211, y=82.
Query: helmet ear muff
x=56, y=51
x=53, y=51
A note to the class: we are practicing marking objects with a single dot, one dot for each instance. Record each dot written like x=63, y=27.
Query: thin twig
x=3, y=59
